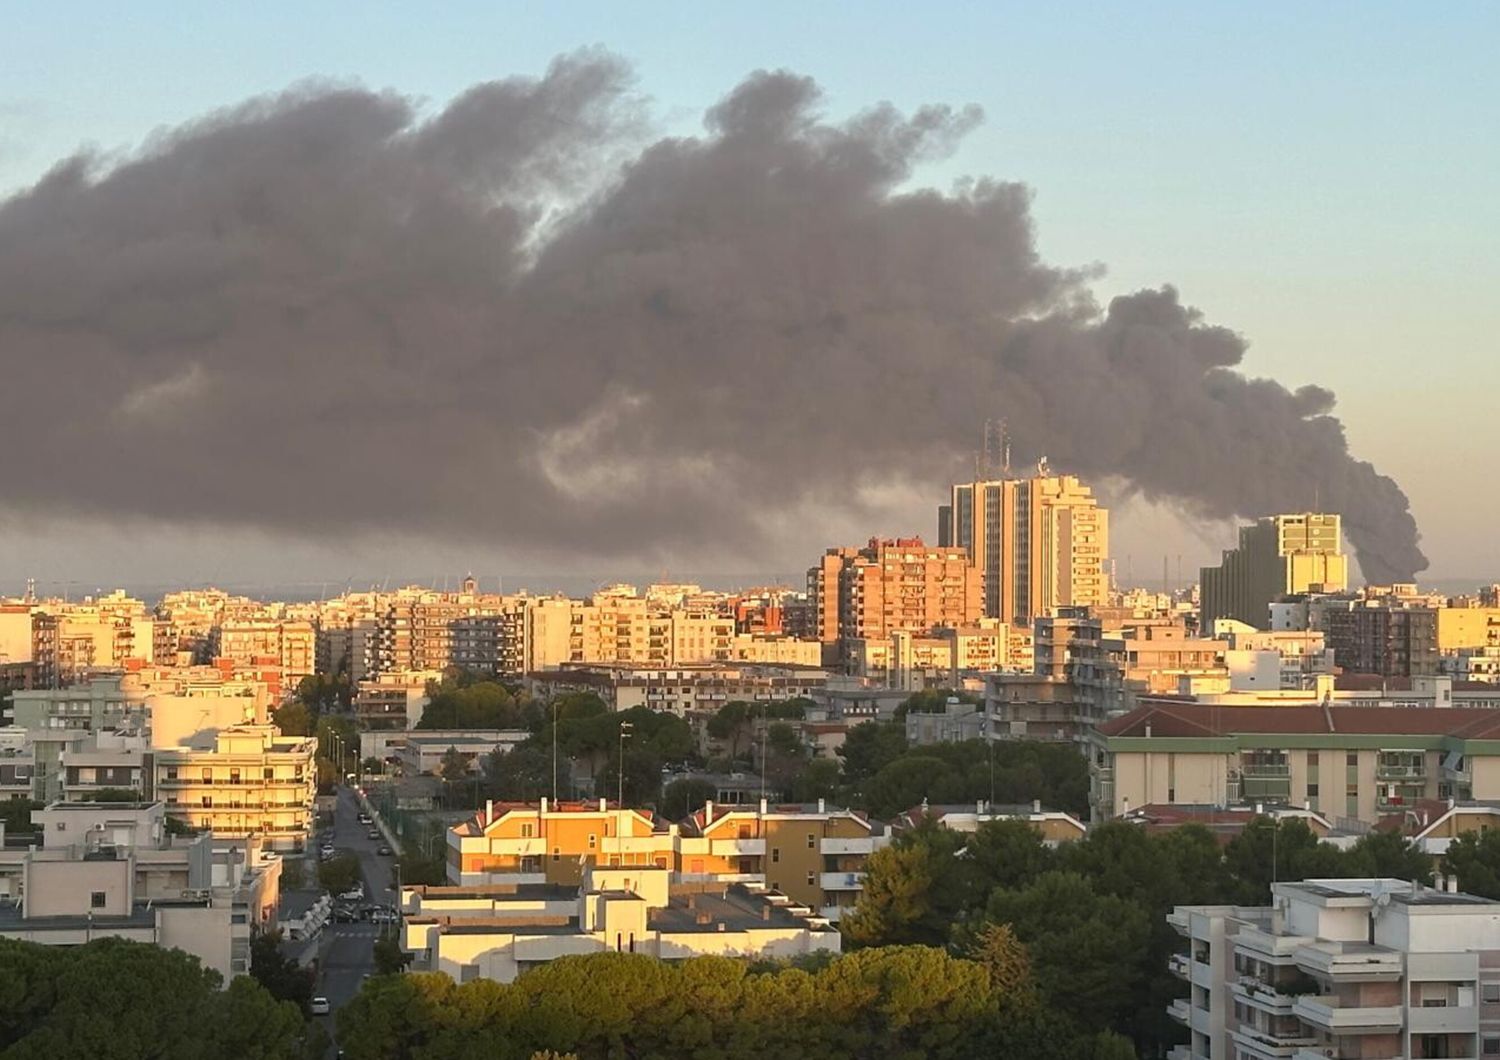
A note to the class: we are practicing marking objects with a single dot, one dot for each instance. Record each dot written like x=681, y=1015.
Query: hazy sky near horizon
x=1321, y=178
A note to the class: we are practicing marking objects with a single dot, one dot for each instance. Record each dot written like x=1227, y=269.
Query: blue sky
x=1322, y=178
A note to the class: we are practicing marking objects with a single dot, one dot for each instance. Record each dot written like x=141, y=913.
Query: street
x=347, y=956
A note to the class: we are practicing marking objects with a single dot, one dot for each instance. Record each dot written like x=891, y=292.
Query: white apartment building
x=111, y=870
x=1381, y=969
x=499, y=932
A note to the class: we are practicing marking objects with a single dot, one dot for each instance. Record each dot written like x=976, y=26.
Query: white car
x=383, y=916
x=319, y=1006
x=354, y=894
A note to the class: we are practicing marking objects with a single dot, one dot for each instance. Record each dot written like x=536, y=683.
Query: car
x=319, y=1006
x=344, y=914
x=365, y=818
x=384, y=851
x=374, y=833
x=383, y=916
x=354, y=894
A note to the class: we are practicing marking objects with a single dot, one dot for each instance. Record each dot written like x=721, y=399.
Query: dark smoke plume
x=522, y=320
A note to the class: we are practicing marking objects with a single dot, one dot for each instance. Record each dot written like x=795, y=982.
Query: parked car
x=354, y=894
x=374, y=833
x=384, y=851
x=383, y=916
x=319, y=1006
x=346, y=914
x=365, y=818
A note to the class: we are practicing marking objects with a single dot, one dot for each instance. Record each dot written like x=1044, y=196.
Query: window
x=812, y=841
x=527, y=830
x=812, y=878
x=593, y=840
x=1492, y=1047
x=1351, y=759
x=775, y=855
x=1491, y=993
x=96, y=900
x=557, y=853
x=1312, y=790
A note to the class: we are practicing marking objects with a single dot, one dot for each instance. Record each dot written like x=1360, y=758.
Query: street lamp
x=625, y=728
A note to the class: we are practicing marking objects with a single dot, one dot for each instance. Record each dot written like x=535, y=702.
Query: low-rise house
x=498, y=933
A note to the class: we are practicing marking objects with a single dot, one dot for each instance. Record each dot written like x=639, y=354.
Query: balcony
x=864, y=845
x=727, y=848
x=1350, y=962
x=1328, y=1013
x=842, y=881
x=1179, y=965
x=1270, y=1045
x=1334, y=1052
x=1443, y=1019
x=1393, y=771
x=1261, y=995
x=1181, y=1011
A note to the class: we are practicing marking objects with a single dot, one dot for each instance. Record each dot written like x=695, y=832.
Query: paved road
x=348, y=954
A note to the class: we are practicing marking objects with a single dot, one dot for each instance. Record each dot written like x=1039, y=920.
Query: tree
x=111, y=795
x=915, y=890
x=1087, y=949
x=390, y=958
x=476, y=705
x=523, y=774
x=117, y=1000
x=819, y=779
x=340, y=873
x=294, y=718
x=454, y=766
x=685, y=796
x=1006, y=958
x=870, y=747
x=15, y=815
x=1390, y=854
x=1475, y=860
x=282, y=978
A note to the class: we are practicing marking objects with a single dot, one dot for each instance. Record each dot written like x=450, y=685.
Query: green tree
x=1474, y=858
x=15, y=815
x=390, y=958
x=522, y=775
x=339, y=873
x=294, y=718
x=1390, y=854
x=1088, y=949
x=454, y=766
x=869, y=747
x=1005, y=957
x=282, y=977
x=819, y=779
x=915, y=890
x=685, y=796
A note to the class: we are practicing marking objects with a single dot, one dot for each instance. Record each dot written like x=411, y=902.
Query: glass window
x=96, y=900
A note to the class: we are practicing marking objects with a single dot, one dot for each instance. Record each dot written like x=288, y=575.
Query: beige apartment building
x=941, y=659
x=1356, y=762
x=291, y=644
x=1040, y=544
x=1279, y=555
x=253, y=781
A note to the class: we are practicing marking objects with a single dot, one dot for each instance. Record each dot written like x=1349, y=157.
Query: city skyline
x=59, y=544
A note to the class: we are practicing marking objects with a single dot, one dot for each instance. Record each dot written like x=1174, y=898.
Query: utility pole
x=624, y=730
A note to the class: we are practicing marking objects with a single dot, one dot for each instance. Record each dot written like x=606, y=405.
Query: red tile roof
x=1198, y=720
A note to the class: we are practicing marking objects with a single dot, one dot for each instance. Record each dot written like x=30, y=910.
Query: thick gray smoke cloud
x=521, y=320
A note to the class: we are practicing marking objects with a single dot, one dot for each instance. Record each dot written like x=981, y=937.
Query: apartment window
x=812, y=878
x=775, y=855
x=557, y=853
x=96, y=900
x=208, y=800
x=1352, y=759
x=593, y=840
x=208, y=776
x=527, y=831
x=812, y=841
x=1491, y=993
x=1492, y=1047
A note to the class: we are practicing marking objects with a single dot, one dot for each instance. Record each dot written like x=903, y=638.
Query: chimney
x=1036, y=805
x=708, y=812
x=489, y=810
x=1451, y=884
x=822, y=807
x=603, y=804
x=1125, y=806
x=1148, y=730
x=1260, y=809
x=544, y=806
x=692, y=900
x=765, y=912
x=763, y=807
